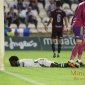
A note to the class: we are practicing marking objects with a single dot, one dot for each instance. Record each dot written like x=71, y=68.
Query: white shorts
x=44, y=62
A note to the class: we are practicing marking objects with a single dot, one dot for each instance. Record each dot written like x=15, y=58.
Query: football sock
x=71, y=61
x=80, y=52
x=75, y=51
x=58, y=55
x=79, y=60
x=79, y=57
x=59, y=48
x=53, y=47
x=62, y=65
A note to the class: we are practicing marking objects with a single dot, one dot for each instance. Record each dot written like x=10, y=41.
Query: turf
x=46, y=76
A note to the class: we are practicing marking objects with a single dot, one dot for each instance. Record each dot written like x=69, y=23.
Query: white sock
x=79, y=60
x=71, y=61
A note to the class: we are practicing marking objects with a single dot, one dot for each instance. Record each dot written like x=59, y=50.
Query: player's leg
x=64, y=65
x=54, y=64
x=80, y=52
x=53, y=37
x=48, y=63
x=59, y=47
x=59, y=34
x=77, y=33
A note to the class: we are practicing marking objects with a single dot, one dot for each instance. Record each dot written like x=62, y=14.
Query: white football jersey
x=28, y=63
x=35, y=63
x=44, y=62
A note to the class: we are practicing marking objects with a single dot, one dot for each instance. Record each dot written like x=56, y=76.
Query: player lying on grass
x=40, y=62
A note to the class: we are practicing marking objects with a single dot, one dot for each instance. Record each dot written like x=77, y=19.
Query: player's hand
x=46, y=27
x=66, y=31
x=71, y=33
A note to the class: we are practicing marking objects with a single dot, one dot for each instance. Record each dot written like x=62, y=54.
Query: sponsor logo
x=58, y=26
x=21, y=44
x=78, y=75
x=65, y=41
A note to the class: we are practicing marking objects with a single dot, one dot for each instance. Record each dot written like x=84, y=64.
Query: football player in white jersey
x=40, y=62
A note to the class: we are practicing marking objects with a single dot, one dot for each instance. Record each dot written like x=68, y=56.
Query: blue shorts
x=84, y=32
x=79, y=32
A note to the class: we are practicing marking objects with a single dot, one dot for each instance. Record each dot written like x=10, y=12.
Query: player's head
x=29, y=8
x=58, y=3
x=13, y=60
x=51, y=1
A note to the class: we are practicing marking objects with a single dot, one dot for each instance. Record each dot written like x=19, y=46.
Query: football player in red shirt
x=57, y=15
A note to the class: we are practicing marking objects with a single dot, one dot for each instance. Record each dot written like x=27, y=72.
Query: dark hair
x=13, y=58
x=58, y=3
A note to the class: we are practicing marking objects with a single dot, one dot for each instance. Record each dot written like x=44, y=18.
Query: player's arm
x=66, y=24
x=22, y=64
x=78, y=12
x=66, y=21
x=50, y=20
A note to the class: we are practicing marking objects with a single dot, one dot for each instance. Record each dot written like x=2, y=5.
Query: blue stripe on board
x=16, y=31
x=26, y=32
x=5, y=30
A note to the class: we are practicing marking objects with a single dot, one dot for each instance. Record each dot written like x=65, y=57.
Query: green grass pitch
x=43, y=76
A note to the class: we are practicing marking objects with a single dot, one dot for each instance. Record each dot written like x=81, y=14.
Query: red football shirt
x=79, y=15
x=57, y=15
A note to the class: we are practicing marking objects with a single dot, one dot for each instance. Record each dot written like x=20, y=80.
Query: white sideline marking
x=23, y=78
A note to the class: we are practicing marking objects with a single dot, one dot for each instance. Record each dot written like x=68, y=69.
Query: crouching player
x=40, y=62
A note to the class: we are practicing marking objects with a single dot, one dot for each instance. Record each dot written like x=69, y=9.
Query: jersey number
x=58, y=18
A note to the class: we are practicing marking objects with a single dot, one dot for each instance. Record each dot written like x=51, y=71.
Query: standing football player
x=57, y=15
x=78, y=23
